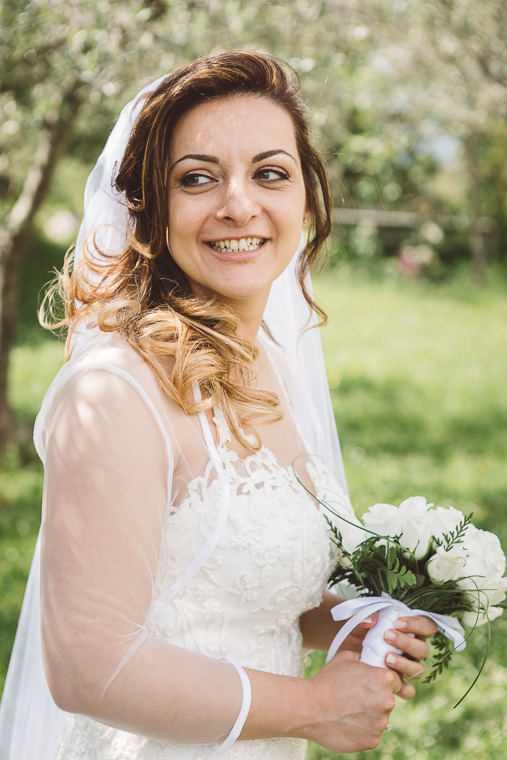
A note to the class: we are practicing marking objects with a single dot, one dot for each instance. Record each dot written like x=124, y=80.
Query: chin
x=241, y=294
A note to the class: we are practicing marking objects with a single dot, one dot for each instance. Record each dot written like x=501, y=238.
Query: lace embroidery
x=85, y=739
x=270, y=566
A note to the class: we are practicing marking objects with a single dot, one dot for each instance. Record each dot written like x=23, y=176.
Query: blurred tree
x=396, y=90
x=66, y=66
x=470, y=41
x=57, y=59
x=442, y=64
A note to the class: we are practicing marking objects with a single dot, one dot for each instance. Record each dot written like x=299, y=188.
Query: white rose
x=483, y=590
x=352, y=535
x=383, y=519
x=444, y=520
x=472, y=619
x=446, y=566
x=484, y=552
x=416, y=525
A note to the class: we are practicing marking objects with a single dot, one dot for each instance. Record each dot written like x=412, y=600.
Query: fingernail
x=400, y=624
x=390, y=636
x=368, y=620
x=391, y=659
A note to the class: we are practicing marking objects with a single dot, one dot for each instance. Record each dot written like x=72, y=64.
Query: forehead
x=245, y=124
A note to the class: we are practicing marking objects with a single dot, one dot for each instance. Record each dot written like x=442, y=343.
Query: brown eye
x=271, y=175
x=197, y=180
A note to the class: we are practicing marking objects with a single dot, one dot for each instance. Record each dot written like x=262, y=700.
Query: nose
x=240, y=205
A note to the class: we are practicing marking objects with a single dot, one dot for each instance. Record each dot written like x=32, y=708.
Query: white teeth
x=244, y=244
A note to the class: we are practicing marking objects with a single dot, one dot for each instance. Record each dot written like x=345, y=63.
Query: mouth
x=234, y=245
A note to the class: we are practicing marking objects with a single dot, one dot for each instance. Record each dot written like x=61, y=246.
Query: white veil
x=30, y=722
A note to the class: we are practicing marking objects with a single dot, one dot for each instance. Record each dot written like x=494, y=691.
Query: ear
x=307, y=219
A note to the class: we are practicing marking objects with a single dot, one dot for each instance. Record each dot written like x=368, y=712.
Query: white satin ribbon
x=354, y=611
x=243, y=713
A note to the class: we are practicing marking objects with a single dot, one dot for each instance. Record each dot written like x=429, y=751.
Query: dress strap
x=223, y=514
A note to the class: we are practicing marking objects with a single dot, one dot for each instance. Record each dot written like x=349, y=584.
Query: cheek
x=183, y=218
x=288, y=215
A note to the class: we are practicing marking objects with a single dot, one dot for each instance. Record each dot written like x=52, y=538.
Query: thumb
x=347, y=654
x=370, y=621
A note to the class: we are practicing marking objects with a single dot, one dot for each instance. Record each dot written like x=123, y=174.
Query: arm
x=319, y=629
x=105, y=498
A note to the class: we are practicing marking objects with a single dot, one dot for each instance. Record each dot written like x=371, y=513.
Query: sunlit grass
x=21, y=475
x=33, y=368
x=418, y=374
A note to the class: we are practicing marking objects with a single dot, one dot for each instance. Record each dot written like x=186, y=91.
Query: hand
x=352, y=703
x=414, y=649
x=319, y=628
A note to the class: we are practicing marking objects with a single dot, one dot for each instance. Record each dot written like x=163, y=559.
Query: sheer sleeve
x=105, y=499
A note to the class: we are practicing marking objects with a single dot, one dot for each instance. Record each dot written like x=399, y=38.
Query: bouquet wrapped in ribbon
x=414, y=560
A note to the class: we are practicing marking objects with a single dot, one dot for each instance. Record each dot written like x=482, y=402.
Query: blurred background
x=409, y=106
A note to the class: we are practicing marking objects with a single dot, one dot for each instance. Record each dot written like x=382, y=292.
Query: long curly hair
x=143, y=294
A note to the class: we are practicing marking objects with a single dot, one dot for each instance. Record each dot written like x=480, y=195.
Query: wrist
x=281, y=706
x=317, y=626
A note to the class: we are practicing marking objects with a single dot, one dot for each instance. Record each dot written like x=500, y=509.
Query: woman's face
x=236, y=197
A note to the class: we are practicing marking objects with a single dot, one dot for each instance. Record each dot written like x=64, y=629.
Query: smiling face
x=236, y=198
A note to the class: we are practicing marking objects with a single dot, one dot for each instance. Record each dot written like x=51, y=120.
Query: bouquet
x=415, y=560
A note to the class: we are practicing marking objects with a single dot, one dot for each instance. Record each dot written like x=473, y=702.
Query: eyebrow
x=214, y=160
x=197, y=157
x=269, y=153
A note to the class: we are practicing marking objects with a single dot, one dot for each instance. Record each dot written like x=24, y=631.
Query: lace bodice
x=269, y=566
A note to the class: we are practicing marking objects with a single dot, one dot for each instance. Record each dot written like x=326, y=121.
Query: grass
x=21, y=475
x=418, y=374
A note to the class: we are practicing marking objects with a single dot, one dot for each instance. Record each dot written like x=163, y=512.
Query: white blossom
x=445, y=520
x=472, y=619
x=383, y=519
x=483, y=571
x=352, y=534
x=484, y=551
x=446, y=565
x=416, y=525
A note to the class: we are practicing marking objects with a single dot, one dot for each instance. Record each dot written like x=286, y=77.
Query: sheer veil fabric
x=30, y=722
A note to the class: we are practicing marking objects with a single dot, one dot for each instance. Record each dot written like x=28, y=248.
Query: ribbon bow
x=354, y=611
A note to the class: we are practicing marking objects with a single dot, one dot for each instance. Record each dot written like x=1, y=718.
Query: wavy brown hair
x=143, y=294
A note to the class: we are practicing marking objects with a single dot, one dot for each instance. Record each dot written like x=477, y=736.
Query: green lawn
x=33, y=368
x=418, y=374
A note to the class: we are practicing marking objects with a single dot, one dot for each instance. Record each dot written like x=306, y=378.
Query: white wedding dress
x=271, y=551
x=269, y=566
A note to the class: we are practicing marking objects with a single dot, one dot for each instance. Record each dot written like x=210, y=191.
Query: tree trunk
x=15, y=233
x=478, y=248
x=479, y=252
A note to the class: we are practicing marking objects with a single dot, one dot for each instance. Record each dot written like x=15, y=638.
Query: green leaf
x=442, y=658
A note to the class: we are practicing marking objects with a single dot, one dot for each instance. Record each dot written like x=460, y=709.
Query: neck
x=248, y=310
x=249, y=313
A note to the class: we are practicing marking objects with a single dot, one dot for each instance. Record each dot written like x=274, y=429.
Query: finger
x=415, y=648
x=394, y=680
x=369, y=622
x=418, y=625
x=407, y=668
x=344, y=655
x=407, y=691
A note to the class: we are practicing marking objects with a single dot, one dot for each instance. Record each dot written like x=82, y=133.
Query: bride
x=182, y=562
